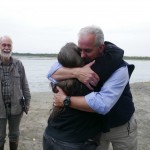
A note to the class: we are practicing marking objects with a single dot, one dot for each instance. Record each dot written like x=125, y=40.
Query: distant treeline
x=55, y=55
x=39, y=55
x=136, y=58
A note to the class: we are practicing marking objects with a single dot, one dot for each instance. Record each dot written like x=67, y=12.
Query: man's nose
x=83, y=54
x=7, y=47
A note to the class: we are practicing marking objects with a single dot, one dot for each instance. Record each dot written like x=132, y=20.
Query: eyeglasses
x=6, y=45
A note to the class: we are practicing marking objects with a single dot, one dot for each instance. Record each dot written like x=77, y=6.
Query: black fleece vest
x=122, y=110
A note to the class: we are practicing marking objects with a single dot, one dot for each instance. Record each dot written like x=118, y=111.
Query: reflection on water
x=37, y=68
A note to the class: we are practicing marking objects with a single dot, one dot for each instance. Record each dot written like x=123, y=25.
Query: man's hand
x=58, y=99
x=27, y=109
x=87, y=76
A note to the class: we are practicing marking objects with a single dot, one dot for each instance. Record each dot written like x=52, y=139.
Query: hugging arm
x=102, y=101
x=83, y=74
x=112, y=57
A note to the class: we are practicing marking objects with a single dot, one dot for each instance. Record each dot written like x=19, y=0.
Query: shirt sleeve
x=102, y=101
x=52, y=70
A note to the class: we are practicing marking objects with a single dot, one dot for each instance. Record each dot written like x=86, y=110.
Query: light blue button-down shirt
x=102, y=101
x=52, y=70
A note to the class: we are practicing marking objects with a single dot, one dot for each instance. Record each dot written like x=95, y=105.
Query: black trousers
x=50, y=143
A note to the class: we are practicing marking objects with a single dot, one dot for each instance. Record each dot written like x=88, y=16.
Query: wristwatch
x=67, y=101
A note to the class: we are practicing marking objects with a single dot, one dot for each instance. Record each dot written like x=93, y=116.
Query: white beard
x=5, y=55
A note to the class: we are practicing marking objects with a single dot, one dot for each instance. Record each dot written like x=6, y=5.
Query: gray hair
x=5, y=37
x=97, y=31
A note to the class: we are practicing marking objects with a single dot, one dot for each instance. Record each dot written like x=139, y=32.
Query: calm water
x=37, y=68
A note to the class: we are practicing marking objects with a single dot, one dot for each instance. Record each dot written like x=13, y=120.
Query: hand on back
x=87, y=76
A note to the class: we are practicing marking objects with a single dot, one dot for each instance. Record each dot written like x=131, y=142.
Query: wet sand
x=33, y=124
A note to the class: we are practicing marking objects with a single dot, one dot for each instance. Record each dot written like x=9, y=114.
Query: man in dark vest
x=114, y=99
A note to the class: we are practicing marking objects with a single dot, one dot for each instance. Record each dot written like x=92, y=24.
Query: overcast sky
x=44, y=26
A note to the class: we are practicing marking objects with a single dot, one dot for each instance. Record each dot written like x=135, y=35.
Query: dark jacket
x=19, y=88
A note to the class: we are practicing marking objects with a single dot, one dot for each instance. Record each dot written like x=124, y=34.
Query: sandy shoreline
x=33, y=125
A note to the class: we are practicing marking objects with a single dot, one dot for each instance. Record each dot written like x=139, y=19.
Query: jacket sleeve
x=25, y=85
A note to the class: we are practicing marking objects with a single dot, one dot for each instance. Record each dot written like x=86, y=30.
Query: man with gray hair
x=14, y=94
x=113, y=99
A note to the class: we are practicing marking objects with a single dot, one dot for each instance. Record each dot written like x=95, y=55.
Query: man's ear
x=101, y=48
